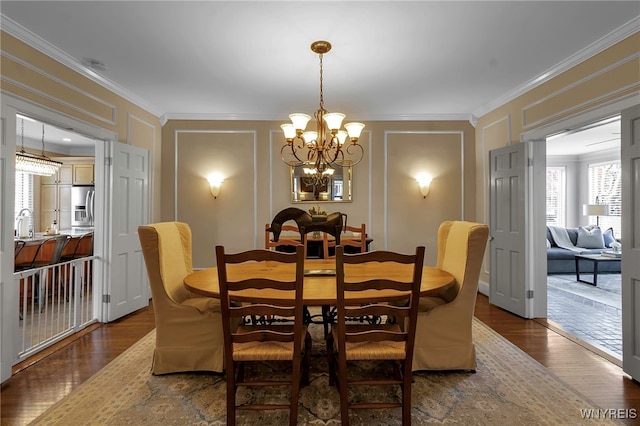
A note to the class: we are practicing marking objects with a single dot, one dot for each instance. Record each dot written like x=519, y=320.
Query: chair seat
x=372, y=350
x=428, y=303
x=203, y=304
x=271, y=351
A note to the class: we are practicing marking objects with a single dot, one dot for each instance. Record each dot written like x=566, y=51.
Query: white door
x=127, y=288
x=507, y=223
x=630, y=155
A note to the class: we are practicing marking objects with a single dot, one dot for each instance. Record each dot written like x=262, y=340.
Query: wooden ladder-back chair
x=81, y=247
x=285, y=239
x=370, y=276
x=360, y=243
x=328, y=312
x=188, y=327
x=444, y=340
x=270, y=341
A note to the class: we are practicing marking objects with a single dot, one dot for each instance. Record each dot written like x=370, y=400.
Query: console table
x=596, y=259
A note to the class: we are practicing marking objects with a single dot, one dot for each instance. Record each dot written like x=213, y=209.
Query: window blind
x=556, y=196
x=605, y=187
x=24, y=195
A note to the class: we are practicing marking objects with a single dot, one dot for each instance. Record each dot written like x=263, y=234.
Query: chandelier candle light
x=35, y=164
x=324, y=146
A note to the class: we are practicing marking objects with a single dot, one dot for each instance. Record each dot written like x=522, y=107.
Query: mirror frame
x=298, y=197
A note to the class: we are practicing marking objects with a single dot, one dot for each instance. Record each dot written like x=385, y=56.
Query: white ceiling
x=600, y=136
x=390, y=60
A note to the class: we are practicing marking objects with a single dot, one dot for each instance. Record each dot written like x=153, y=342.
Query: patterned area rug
x=509, y=388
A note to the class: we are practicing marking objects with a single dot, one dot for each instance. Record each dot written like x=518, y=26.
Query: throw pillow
x=608, y=237
x=590, y=238
x=548, y=244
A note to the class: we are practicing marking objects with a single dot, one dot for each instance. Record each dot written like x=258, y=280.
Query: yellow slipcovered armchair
x=188, y=327
x=443, y=333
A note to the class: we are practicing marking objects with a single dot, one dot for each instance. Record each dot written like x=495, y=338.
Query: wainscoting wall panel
x=230, y=219
x=408, y=153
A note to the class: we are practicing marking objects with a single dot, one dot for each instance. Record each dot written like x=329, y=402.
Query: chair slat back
x=232, y=308
x=360, y=243
x=85, y=245
x=284, y=239
x=17, y=247
x=349, y=279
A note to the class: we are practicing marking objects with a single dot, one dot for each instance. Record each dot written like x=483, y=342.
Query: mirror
x=337, y=187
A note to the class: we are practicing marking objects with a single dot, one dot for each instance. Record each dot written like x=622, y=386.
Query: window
x=605, y=187
x=556, y=196
x=24, y=195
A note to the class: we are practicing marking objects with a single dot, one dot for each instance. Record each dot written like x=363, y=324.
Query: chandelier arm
x=359, y=152
x=293, y=153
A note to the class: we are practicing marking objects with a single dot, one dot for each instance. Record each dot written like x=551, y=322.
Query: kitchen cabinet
x=55, y=204
x=83, y=174
x=55, y=192
x=63, y=176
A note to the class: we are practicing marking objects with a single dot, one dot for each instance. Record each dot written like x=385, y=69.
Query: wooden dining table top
x=319, y=289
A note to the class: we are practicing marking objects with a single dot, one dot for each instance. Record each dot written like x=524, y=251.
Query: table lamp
x=596, y=210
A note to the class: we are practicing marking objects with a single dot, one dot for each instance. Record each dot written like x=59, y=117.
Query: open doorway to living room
x=583, y=217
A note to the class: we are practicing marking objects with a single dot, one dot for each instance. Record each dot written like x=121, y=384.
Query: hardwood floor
x=33, y=389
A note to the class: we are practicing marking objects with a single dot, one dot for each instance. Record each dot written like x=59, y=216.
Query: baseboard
x=483, y=288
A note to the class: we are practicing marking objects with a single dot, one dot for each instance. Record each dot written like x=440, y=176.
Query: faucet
x=26, y=209
x=20, y=218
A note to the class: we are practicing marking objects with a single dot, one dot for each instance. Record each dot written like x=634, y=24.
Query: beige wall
x=611, y=75
x=35, y=77
x=385, y=194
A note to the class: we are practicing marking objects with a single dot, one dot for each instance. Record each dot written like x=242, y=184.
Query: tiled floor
x=589, y=313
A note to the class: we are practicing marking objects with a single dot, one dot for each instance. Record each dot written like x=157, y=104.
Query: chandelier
x=322, y=150
x=35, y=164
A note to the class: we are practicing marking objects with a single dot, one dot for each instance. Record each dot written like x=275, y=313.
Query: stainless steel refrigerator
x=82, y=197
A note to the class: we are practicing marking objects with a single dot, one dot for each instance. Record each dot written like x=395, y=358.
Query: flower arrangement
x=313, y=211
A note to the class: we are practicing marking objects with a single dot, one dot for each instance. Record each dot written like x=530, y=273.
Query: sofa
x=562, y=261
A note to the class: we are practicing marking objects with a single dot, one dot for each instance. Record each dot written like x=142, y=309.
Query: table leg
x=595, y=271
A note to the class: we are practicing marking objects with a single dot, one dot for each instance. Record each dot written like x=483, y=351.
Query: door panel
x=630, y=155
x=128, y=284
x=507, y=247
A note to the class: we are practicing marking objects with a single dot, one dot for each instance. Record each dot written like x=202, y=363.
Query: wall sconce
x=424, y=182
x=215, y=181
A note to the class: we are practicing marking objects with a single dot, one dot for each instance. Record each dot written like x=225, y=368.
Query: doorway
x=583, y=180
x=54, y=256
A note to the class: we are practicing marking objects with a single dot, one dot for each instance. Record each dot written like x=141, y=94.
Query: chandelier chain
x=43, y=140
x=321, y=94
x=22, y=135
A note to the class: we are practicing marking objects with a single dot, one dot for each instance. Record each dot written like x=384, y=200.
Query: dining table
x=319, y=288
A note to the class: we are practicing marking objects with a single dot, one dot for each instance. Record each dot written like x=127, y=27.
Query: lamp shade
x=595, y=209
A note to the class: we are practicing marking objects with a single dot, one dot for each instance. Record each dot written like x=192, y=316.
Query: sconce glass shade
x=215, y=181
x=354, y=129
x=299, y=120
x=310, y=136
x=424, y=182
x=333, y=120
x=342, y=136
x=289, y=131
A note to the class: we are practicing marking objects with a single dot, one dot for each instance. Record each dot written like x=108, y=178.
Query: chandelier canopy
x=35, y=164
x=322, y=150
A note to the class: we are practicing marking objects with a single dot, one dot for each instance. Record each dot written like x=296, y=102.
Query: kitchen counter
x=39, y=236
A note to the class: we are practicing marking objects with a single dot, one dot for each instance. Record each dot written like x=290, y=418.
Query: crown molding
x=598, y=46
x=21, y=33
x=16, y=30
x=276, y=117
